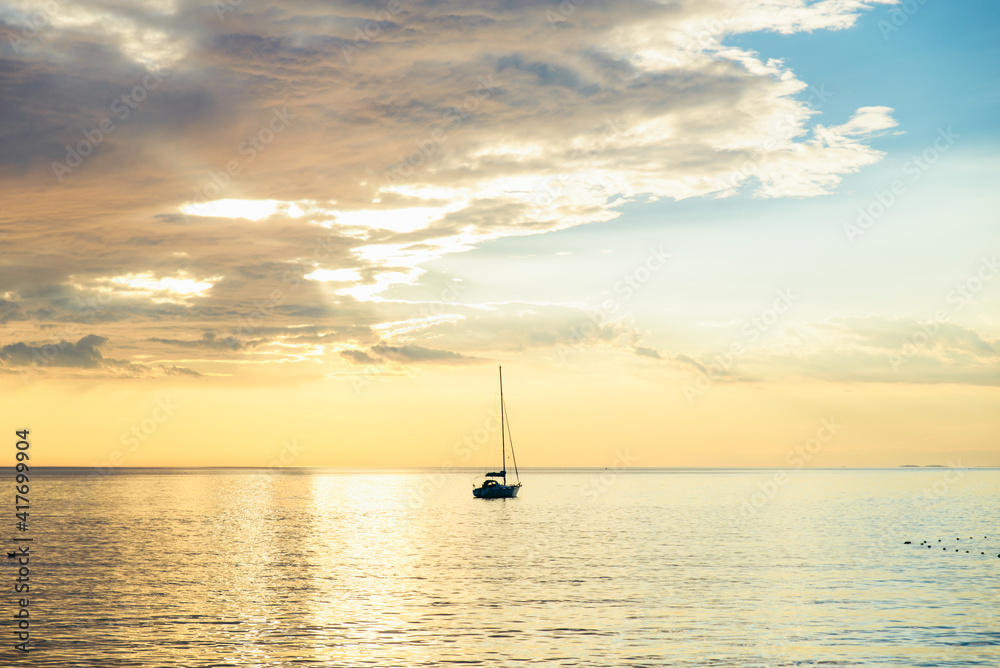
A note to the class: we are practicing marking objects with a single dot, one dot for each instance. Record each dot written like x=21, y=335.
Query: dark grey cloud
x=713, y=366
x=171, y=370
x=10, y=310
x=359, y=357
x=647, y=352
x=83, y=354
x=416, y=354
x=208, y=341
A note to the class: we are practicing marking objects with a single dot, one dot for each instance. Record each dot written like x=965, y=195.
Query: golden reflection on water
x=256, y=568
x=360, y=588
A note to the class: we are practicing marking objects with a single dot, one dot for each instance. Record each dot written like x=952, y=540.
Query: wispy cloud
x=871, y=349
x=413, y=353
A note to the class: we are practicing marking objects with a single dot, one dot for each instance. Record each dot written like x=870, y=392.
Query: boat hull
x=496, y=492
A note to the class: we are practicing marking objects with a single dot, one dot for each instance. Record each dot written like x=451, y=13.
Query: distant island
x=925, y=466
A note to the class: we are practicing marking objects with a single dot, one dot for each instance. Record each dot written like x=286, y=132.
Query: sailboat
x=492, y=487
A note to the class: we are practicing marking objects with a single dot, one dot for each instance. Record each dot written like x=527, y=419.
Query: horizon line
x=459, y=469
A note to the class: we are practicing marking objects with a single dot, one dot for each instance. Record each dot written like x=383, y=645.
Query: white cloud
x=334, y=275
x=177, y=289
x=604, y=110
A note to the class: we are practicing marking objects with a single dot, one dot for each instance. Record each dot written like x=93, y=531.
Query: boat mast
x=503, y=443
x=505, y=426
x=513, y=456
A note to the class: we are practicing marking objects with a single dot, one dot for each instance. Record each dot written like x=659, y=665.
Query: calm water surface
x=585, y=568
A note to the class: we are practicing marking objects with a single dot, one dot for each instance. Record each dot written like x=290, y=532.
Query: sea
x=586, y=567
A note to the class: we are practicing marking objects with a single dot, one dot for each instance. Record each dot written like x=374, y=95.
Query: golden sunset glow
x=693, y=235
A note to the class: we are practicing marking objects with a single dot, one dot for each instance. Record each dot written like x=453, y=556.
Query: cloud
x=358, y=357
x=84, y=355
x=10, y=310
x=717, y=368
x=415, y=354
x=502, y=328
x=268, y=171
x=871, y=349
x=911, y=351
x=208, y=341
x=647, y=352
x=178, y=371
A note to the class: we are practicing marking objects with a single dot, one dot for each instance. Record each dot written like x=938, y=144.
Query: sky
x=695, y=233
